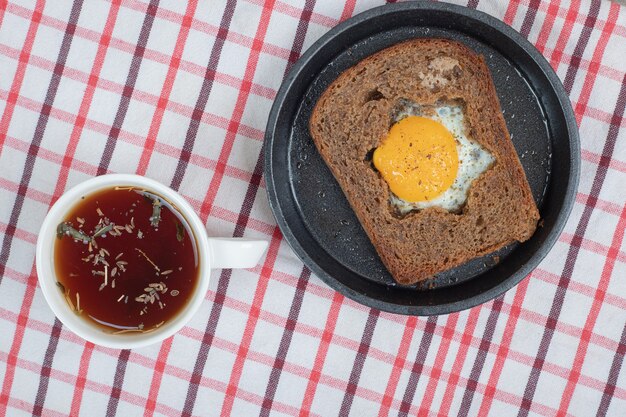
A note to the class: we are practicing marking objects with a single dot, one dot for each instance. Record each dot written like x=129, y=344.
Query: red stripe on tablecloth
x=285, y=341
x=418, y=366
x=440, y=358
x=168, y=84
x=398, y=365
x=581, y=106
x=241, y=223
x=466, y=338
x=129, y=87
x=484, y=347
x=548, y=24
x=246, y=339
x=611, y=383
x=203, y=97
x=19, y=234
x=3, y=8
x=20, y=327
x=571, y=258
x=206, y=342
x=511, y=11
x=157, y=376
x=592, y=316
x=503, y=350
x=81, y=378
x=320, y=356
x=18, y=78
x=556, y=58
x=303, y=280
x=85, y=104
x=242, y=394
x=359, y=361
x=31, y=194
x=348, y=9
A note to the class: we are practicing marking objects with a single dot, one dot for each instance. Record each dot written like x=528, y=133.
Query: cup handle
x=236, y=252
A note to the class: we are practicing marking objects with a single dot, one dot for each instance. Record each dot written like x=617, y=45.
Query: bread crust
x=353, y=116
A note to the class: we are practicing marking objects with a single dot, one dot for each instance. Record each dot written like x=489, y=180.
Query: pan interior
x=321, y=202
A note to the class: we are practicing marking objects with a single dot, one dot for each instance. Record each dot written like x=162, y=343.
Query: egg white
x=473, y=158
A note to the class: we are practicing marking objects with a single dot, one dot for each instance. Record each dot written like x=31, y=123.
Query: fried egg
x=427, y=158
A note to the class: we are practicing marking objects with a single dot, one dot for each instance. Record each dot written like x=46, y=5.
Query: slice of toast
x=354, y=115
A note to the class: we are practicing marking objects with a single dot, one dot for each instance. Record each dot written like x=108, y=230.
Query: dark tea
x=126, y=259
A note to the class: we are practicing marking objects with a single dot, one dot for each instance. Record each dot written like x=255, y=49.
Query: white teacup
x=213, y=253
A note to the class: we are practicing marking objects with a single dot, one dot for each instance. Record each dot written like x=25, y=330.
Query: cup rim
x=46, y=275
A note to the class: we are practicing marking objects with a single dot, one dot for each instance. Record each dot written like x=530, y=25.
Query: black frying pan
x=317, y=220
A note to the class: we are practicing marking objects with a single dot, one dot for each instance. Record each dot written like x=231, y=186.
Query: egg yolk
x=418, y=159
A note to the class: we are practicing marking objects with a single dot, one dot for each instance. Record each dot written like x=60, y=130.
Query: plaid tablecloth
x=180, y=92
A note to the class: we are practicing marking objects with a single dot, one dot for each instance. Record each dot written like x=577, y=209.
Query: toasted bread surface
x=355, y=113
